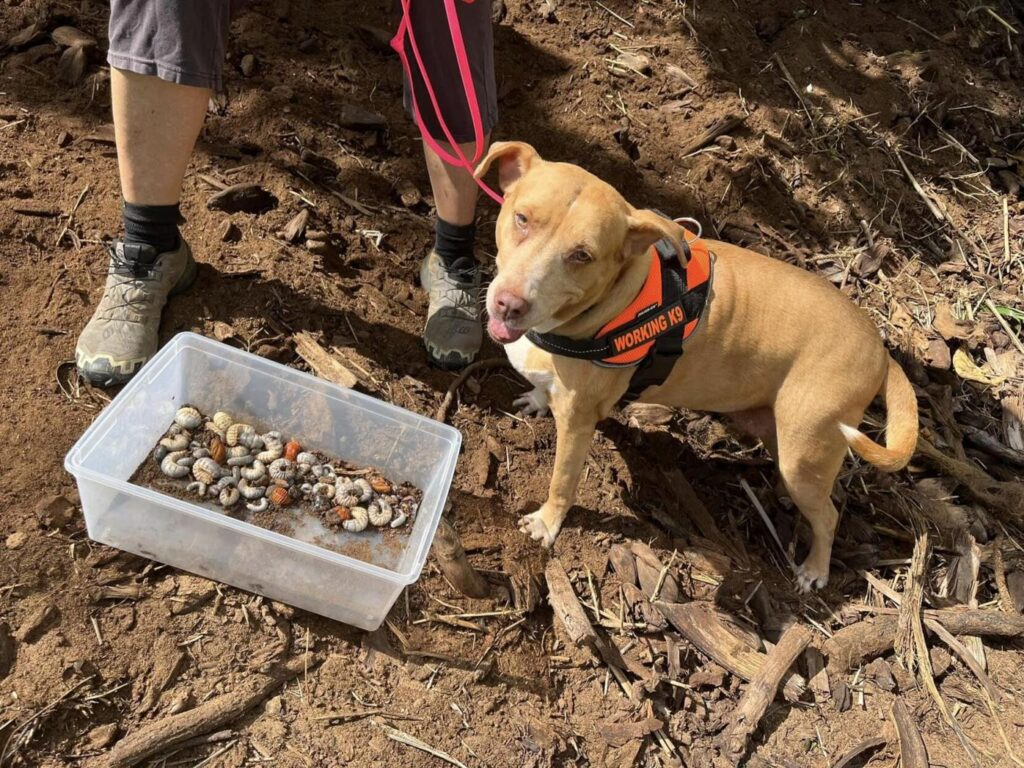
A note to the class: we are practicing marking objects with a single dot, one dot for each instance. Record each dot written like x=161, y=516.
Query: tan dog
x=780, y=350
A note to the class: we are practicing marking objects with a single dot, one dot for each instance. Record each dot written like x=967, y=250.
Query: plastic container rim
x=105, y=421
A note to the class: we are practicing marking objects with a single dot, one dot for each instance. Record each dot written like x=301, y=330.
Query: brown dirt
x=938, y=83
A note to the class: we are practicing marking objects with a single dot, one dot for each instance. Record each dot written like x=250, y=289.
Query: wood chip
x=356, y=118
x=323, y=363
x=295, y=229
x=72, y=65
x=860, y=750
x=619, y=734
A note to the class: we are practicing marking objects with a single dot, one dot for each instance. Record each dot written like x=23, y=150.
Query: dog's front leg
x=575, y=422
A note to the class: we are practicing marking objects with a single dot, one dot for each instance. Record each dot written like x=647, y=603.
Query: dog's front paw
x=533, y=403
x=810, y=577
x=535, y=526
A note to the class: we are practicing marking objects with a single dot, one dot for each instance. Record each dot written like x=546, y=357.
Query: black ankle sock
x=155, y=225
x=454, y=243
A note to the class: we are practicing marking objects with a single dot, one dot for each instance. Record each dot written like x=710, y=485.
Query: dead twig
x=469, y=370
x=761, y=692
x=718, y=128
x=409, y=740
x=171, y=731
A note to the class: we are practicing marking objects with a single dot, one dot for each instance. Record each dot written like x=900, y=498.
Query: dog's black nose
x=510, y=306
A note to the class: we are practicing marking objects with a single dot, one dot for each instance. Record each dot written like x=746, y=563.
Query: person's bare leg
x=455, y=191
x=450, y=273
x=156, y=124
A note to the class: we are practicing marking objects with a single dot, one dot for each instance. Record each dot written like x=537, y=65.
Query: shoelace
x=129, y=293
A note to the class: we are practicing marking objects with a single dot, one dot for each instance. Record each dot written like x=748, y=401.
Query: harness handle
x=458, y=159
x=696, y=226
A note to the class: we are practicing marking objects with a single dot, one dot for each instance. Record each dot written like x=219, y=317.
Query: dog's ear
x=645, y=228
x=514, y=160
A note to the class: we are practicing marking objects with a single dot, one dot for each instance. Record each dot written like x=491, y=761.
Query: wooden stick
x=469, y=370
x=170, y=731
x=918, y=188
x=712, y=132
x=1006, y=499
x=404, y=738
x=852, y=645
x=784, y=71
x=567, y=606
x=912, y=751
x=454, y=564
x=705, y=628
x=761, y=692
x=324, y=364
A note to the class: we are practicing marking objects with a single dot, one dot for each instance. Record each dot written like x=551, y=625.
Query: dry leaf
x=966, y=368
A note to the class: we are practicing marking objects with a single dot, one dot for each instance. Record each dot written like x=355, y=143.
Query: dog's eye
x=520, y=221
x=579, y=256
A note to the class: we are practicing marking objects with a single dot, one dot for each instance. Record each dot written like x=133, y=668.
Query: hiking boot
x=122, y=334
x=452, y=334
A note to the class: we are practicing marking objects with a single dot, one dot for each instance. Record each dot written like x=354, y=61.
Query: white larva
x=379, y=512
x=257, y=471
x=188, y=417
x=259, y=505
x=172, y=466
x=360, y=518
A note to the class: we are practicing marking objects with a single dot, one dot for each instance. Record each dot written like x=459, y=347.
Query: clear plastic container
x=352, y=426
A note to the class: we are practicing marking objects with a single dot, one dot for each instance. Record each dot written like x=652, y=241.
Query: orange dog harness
x=649, y=333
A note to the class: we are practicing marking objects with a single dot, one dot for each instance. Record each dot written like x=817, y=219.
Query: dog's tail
x=901, y=428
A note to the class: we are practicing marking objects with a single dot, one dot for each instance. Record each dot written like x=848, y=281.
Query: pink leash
x=459, y=159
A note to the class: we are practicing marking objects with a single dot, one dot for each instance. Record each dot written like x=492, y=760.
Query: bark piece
x=323, y=363
x=623, y=563
x=706, y=629
x=170, y=731
x=295, y=229
x=72, y=65
x=859, y=750
x=72, y=37
x=761, y=692
x=620, y=734
x=912, y=751
x=567, y=606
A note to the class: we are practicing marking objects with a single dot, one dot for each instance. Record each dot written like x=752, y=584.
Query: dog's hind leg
x=810, y=456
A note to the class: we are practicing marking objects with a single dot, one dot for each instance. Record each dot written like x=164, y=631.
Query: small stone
x=359, y=119
x=937, y=355
x=70, y=37
x=72, y=65
x=63, y=139
x=55, y=511
x=317, y=235
x=251, y=198
x=726, y=142
x=282, y=93
x=275, y=706
x=16, y=540
x=229, y=232
x=101, y=737
x=628, y=63
x=248, y=65
x=320, y=247
x=309, y=45
x=408, y=193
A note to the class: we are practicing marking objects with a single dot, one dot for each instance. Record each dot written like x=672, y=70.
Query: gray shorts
x=184, y=41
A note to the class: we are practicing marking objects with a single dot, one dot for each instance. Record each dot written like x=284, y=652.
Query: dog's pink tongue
x=501, y=333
